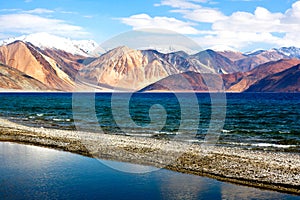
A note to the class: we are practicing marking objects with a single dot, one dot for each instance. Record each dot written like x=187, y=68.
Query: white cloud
x=4, y=36
x=247, y=0
x=183, y=4
x=10, y=10
x=240, y=29
x=67, y=12
x=144, y=21
x=260, y=27
x=292, y=15
x=237, y=40
x=261, y=21
x=208, y=15
x=39, y=11
x=192, y=10
x=28, y=23
x=88, y=16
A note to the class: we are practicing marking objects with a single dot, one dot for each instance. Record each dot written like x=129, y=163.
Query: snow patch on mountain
x=292, y=52
x=223, y=48
x=46, y=40
x=254, y=52
x=165, y=49
x=286, y=52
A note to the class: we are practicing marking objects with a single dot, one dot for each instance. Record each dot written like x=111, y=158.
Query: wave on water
x=273, y=145
x=61, y=120
x=257, y=121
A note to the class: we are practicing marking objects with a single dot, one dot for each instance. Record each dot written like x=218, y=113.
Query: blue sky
x=239, y=24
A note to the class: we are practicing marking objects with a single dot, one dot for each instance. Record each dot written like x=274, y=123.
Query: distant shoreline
x=267, y=170
x=146, y=92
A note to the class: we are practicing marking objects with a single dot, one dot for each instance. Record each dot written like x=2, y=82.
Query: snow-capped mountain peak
x=285, y=52
x=254, y=52
x=290, y=51
x=223, y=48
x=46, y=40
x=170, y=49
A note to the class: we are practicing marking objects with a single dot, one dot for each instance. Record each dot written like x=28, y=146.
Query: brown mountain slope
x=29, y=60
x=128, y=69
x=232, y=55
x=214, y=60
x=68, y=62
x=251, y=61
x=11, y=78
x=238, y=82
x=285, y=81
x=188, y=81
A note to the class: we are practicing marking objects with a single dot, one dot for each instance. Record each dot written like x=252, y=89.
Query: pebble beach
x=278, y=171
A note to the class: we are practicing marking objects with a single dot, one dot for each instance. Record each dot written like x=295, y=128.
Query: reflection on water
x=28, y=172
x=129, y=167
x=183, y=186
x=230, y=191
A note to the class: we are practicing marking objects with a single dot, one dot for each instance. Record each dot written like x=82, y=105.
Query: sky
x=242, y=25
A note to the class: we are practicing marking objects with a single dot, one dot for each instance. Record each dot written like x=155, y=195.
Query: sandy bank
x=271, y=170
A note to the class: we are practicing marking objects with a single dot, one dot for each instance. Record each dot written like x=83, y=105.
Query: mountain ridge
x=48, y=41
x=27, y=59
x=236, y=82
x=125, y=69
x=284, y=81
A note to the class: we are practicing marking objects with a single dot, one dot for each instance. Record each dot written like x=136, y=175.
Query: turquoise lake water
x=269, y=121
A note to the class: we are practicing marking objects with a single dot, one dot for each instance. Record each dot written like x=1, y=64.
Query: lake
x=267, y=121
x=30, y=172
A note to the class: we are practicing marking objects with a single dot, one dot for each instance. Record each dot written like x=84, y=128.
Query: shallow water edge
x=268, y=170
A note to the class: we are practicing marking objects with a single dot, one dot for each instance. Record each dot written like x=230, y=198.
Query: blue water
x=29, y=172
x=269, y=121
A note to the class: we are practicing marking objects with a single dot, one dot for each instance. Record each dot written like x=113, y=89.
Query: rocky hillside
x=241, y=81
x=126, y=69
x=29, y=60
x=13, y=79
x=67, y=62
x=253, y=80
x=253, y=59
x=188, y=81
x=285, y=81
x=216, y=61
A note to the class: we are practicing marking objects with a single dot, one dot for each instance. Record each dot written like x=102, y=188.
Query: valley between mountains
x=30, y=66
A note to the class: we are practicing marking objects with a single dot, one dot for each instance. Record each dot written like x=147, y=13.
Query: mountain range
x=50, y=63
x=48, y=41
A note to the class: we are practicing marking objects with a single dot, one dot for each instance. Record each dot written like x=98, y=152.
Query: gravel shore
x=269, y=170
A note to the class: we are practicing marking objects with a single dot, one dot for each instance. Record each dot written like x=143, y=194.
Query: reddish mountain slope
x=126, y=68
x=232, y=55
x=285, y=81
x=188, y=81
x=255, y=59
x=238, y=82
